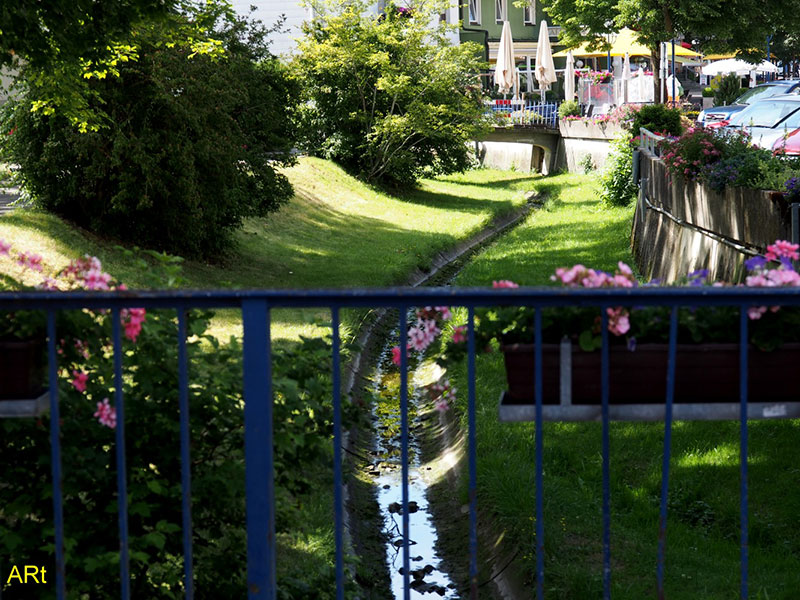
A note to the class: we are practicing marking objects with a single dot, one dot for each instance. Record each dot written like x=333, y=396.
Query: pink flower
x=30, y=261
x=783, y=277
x=132, y=319
x=4, y=247
x=624, y=269
x=83, y=348
x=755, y=312
x=621, y=281
x=460, y=334
x=618, y=322
x=758, y=280
x=106, y=414
x=504, y=283
x=570, y=276
x=79, y=381
x=396, y=355
x=48, y=283
x=95, y=279
x=431, y=328
x=782, y=248
x=444, y=312
x=417, y=338
x=442, y=405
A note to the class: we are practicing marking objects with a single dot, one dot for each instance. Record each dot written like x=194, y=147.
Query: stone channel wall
x=667, y=250
x=583, y=138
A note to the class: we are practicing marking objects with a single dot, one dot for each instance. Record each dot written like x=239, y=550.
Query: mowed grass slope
x=702, y=559
x=336, y=232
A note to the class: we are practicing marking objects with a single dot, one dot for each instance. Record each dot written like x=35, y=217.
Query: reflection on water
x=426, y=578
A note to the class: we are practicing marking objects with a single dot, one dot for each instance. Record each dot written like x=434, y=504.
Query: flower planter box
x=706, y=375
x=587, y=130
x=22, y=378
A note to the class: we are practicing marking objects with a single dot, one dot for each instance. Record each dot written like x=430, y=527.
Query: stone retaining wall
x=666, y=250
x=582, y=138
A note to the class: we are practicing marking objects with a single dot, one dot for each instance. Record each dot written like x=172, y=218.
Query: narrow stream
x=426, y=574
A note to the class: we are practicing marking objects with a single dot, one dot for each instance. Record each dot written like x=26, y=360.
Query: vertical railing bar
x=537, y=337
x=338, y=510
x=404, y=443
x=604, y=382
x=662, y=519
x=258, y=442
x=743, y=348
x=473, y=458
x=186, y=465
x=55, y=457
x=122, y=484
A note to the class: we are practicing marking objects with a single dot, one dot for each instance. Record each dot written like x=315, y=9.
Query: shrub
x=587, y=164
x=708, y=92
x=302, y=415
x=389, y=99
x=190, y=146
x=657, y=118
x=617, y=187
x=726, y=88
x=724, y=160
x=569, y=108
x=688, y=155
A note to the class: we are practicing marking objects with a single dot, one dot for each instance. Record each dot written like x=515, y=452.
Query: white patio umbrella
x=545, y=68
x=569, y=78
x=626, y=76
x=504, y=70
x=738, y=66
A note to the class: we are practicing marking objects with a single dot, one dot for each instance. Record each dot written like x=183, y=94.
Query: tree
x=191, y=144
x=56, y=46
x=717, y=25
x=388, y=97
x=70, y=30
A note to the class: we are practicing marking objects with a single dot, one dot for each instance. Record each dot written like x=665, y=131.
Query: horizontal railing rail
x=541, y=114
x=256, y=307
x=649, y=141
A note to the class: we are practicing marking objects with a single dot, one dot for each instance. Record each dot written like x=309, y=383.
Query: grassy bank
x=336, y=232
x=703, y=526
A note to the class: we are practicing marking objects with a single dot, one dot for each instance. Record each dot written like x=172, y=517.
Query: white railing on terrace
x=649, y=141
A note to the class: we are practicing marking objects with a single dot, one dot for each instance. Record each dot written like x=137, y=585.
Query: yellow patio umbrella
x=624, y=42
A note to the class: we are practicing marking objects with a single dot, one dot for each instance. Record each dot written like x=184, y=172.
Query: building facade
x=481, y=21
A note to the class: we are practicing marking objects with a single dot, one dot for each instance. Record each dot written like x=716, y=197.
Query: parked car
x=768, y=120
x=788, y=145
x=755, y=94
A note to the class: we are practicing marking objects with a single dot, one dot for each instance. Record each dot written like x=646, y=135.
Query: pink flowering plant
x=84, y=335
x=596, y=77
x=89, y=420
x=718, y=159
x=770, y=326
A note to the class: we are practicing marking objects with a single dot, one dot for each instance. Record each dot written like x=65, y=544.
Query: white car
x=768, y=121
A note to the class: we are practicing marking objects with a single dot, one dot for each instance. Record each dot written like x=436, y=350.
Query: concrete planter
x=584, y=138
x=586, y=130
x=708, y=103
x=704, y=373
x=22, y=368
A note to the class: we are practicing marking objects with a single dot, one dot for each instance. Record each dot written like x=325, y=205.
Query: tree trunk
x=655, y=53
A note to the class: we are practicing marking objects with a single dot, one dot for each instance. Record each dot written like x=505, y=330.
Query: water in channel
x=427, y=577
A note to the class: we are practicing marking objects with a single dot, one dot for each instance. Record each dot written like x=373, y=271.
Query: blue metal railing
x=259, y=468
x=533, y=114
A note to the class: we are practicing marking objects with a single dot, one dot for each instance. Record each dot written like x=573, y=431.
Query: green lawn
x=336, y=232
x=703, y=521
